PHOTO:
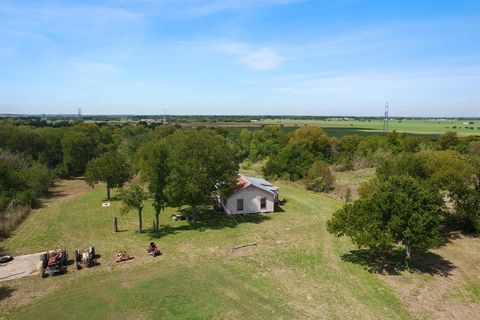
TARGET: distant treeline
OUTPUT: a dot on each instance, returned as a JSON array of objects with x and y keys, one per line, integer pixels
[
  {"x": 68, "y": 120},
  {"x": 32, "y": 155}
]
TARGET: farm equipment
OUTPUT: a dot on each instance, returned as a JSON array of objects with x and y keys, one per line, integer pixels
[
  {"x": 153, "y": 250},
  {"x": 123, "y": 256},
  {"x": 85, "y": 258},
  {"x": 53, "y": 262}
]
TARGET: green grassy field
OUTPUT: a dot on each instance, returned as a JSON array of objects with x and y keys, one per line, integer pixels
[
  {"x": 295, "y": 271},
  {"x": 342, "y": 127}
]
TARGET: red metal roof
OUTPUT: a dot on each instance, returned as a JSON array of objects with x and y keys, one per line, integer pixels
[{"x": 242, "y": 182}]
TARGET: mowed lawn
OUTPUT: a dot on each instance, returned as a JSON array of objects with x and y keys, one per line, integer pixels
[{"x": 295, "y": 271}]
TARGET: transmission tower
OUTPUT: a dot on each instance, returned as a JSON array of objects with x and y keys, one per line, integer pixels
[
  {"x": 79, "y": 114},
  {"x": 164, "y": 116},
  {"x": 385, "y": 119}
]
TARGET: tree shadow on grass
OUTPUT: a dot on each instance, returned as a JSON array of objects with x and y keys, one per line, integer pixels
[
  {"x": 5, "y": 292},
  {"x": 208, "y": 219},
  {"x": 393, "y": 262},
  {"x": 112, "y": 199}
]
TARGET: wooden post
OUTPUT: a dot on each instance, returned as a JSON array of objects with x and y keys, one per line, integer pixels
[
  {"x": 115, "y": 225},
  {"x": 140, "y": 223}
]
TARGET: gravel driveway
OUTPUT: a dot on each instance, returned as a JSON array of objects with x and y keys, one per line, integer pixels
[{"x": 21, "y": 266}]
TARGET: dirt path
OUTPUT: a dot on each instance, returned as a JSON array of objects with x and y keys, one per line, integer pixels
[
  {"x": 63, "y": 190},
  {"x": 448, "y": 293},
  {"x": 66, "y": 189}
]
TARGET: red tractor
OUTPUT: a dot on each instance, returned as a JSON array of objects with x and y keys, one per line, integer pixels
[
  {"x": 53, "y": 262},
  {"x": 85, "y": 258}
]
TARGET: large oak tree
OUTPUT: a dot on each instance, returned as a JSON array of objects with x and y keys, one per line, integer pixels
[
  {"x": 399, "y": 210},
  {"x": 111, "y": 168},
  {"x": 199, "y": 162}
]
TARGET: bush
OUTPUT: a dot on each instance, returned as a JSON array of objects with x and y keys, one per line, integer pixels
[
  {"x": 291, "y": 163},
  {"x": 319, "y": 177}
]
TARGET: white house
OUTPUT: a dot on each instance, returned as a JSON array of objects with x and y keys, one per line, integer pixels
[{"x": 252, "y": 195}]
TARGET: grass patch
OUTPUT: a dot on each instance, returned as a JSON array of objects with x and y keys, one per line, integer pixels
[
  {"x": 295, "y": 271},
  {"x": 469, "y": 293},
  {"x": 427, "y": 127}
]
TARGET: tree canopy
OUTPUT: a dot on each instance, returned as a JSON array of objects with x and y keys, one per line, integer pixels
[
  {"x": 314, "y": 140},
  {"x": 111, "y": 168},
  {"x": 78, "y": 150},
  {"x": 133, "y": 198},
  {"x": 152, "y": 162},
  {"x": 398, "y": 210},
  {"x": 199, "y": 162},
  {"x": 319, "y": 177}
]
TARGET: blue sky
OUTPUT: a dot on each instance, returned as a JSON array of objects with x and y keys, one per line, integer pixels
[{"x": 324, "y": 57}]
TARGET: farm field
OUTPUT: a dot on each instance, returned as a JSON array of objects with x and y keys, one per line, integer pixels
[
  {"x": 341, "y": 127},
  {"x": 297, "y": 270}
]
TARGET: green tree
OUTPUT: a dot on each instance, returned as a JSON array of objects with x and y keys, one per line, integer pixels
[
  {"x": 292, "y": 163},
  {"x": 398, "y": 210},
  {"x": 37, "y": 179},
  {"x": 403, "y": 164},
  {"x": 314, "y": 140},
  {"x": 110, "y": 168},
  {"x": 467, "y": 197},
  {"x": 319, "y": 177},
  {"x": 78, "y": 149},
  {"x": 455, "y": 175},
  {"x": 133, "y": 198},
  {"x": 199, "y": 162},
  {"x": 152, "y": 162},
  {"x": 267, "y": 142},
  {"x": 448, "y": 140}
]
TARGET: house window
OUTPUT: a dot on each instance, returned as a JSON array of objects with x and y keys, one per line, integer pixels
[
  {"x": 263, "y": 203},
  {"x": 239, "y": 204}
]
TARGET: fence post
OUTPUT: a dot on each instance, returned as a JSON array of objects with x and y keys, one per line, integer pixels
[{"x": 115, "y": 225}]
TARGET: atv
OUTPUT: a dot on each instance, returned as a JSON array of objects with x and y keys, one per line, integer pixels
[
  {"x": 85, "y": 258},
  {"x": 53, "y": 262}
]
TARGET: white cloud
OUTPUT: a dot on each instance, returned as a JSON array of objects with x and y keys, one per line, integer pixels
[{"x": 261, "y": 58}]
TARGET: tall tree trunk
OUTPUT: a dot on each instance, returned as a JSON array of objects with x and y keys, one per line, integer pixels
[
  {"x": 194, "y": 212},
  {"x": 408, "y": 255},
  {"x": 140, "y": 227},
  {"x": 108, "y": 192},
  {"x": 157, "y": 220}
]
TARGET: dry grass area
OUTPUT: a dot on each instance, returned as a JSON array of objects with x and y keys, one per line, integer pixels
[
  {"x": 65, "y": 189},
  {"x": 453, "y": 292},
  {"x": 350, "y": 180},
  {"x": 445, "y": 284}
]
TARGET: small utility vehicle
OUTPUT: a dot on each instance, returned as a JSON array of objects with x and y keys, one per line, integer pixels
[
  {"x": 53, "y": 262},
  {"x": 85, "y": 258}
]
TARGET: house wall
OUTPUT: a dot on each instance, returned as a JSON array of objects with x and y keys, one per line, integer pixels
[{"x": 251, "y": 201}]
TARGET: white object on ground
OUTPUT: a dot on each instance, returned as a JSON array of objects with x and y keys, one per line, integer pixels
[{"x": 106, "y": 204}]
